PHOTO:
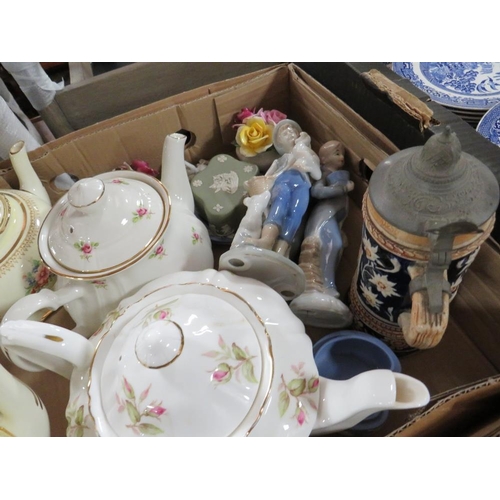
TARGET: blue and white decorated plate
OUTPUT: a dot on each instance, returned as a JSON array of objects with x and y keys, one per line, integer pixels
[
  {"x": 462, "y": 85},
  {"x": 489, "y": 126}
]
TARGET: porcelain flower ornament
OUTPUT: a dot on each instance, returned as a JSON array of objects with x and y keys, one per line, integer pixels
[{"x": 254, "y": 133}]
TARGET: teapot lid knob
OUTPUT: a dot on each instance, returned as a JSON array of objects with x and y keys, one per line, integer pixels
[
  {"x": 85, "y": 192},
  {"x": 159, "y": 344}
]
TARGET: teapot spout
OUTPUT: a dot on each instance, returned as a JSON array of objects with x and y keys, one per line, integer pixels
[
  {"x": 345, "y": 403},
  {"x": 173, "y": 171},
  {"x": 28, "y": 180}
]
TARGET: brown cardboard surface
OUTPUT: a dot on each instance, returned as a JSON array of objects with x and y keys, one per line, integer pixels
[
  {"x": 370, "y": 133},
  {"x": 471, "y": 411},
  {"x": 468, "y": 351}
]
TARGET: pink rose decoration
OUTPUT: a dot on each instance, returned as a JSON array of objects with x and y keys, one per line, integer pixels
[
  {"x": 301, "y": 417},
  {"x": 42, "y": 276},
  {"x": 196, "y": 236},
  {"x": 157, "y": 410},
  {"x": 222, "y": 373},
  {"x": 143, "y": 166},
  {"x": 163, "y": 315},
  {"x": 244, "y": 114},
  {"x": 87, "y": 248},
  {"x": 142, "y": 211},
  {"x": 274, "y": 116},
  {"x": 159, "y": 250},
  {"x": 313, "y": 384}
]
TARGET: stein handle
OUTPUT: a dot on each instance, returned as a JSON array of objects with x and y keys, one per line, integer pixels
[{"x": 423, "y": 329}]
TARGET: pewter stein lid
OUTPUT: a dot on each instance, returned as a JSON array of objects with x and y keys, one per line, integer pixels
[{"x": 434, "y": 185}]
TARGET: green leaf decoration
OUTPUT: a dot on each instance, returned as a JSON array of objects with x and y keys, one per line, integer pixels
[
  {"x": 284, "y": 402},
  {"x": 95, "y": 244},
  {"x": 79, "y": 432},
  {"x": 79, "y": 416},
  {"x": 247, "y": 369},
  {"x": 132, "y": 412},
  {"x": 238, "y": 352},
  {"x": 78, "y": 245},
  {"x": 149, "y": 429},
  {"x": 297, "y": 386}
]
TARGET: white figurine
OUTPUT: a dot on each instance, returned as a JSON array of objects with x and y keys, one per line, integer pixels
[
  {"x": 251, "y": 224},
  {"x": 324, "y": 242}
]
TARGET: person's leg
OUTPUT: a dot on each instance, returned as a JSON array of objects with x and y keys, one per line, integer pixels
[
  {"x": 280, "y": 197},
  {"x": 296, "y": 209}
]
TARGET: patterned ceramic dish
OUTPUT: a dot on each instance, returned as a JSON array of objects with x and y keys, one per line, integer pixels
[
  {"x": 203, "y": 354},
  {"x": 489, "y": 126},
  {"x": 461, "y": 85}
]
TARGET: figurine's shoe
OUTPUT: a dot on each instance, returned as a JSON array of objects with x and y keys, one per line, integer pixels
[
  {"x": 322, "y": 310},
  {"x": 267, "y": 266}
]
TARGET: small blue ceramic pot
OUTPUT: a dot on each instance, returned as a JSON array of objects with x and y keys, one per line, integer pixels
[{"x": 347, "y": 353}]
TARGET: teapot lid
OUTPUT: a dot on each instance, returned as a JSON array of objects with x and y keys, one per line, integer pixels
[
  {"x": 433, "y": 185},
  {"x": 192, "y": 354},
  {"x": 173, "y": 369},
  {"x": 104, "y": 224}
]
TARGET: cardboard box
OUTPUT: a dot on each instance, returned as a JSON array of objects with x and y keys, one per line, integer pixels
[{"x": 469, "y": 350}]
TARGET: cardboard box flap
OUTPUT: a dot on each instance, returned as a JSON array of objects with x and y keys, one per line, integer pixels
[
  {"x": 371, "y": 133},
  {"x": 326, "y": 122},
  {"x": 268, "y": 91}
]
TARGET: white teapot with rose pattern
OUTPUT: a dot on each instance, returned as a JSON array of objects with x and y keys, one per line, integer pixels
[
  {"x": 203, "y": 353},
  {"x": 112, "y": 233}
]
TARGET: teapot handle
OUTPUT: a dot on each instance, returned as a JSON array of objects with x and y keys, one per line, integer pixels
[
  {"x": 422, "y": 328},
  {"x": 29, "y": 306},
  {"x": 35, "y": 346}
]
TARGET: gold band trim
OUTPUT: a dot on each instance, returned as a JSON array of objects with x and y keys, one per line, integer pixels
[
  {"x": 5, "y": 211},
  {"x": 7, "y": 433},
  {"x": 16, "y": 251}
]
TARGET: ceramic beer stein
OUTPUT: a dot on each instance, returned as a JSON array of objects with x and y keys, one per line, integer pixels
[{"x": 426, "y": 212}]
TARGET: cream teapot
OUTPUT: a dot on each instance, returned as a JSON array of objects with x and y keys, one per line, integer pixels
[
  {"x": 203, "y": 353},
  {"x": 22, "y": 412},
  {"x": 112, "y": 233},
  {"x": 22, "y": 212}
]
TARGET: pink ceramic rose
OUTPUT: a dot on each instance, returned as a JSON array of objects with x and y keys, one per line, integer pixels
[
  {"x": 244, "y": 114},
  {"x": 42, "y": 276},
  {"x": 274, "y": 116},
  {"x": 87, "y": 248}
]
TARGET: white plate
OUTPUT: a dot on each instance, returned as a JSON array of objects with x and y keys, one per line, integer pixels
[
  {"x": 462, "y": 85},
  {"x": 489, "y": 126}
]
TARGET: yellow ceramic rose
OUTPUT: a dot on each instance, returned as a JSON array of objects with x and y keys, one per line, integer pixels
[{"x": 254, "y": 136}]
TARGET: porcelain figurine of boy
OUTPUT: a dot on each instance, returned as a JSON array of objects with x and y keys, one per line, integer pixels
[
  {"x": 289, "y": 181},
  {"x": 324, "y": 242},
  {"x": 289, "y": 195}
]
